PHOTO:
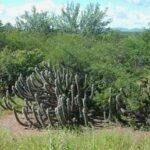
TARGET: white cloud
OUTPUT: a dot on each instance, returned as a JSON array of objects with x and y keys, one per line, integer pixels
[
  {"x": 8, "y": 14},
  {"x": 122, "y": 17},
  {"x": 135, "y": 1}
]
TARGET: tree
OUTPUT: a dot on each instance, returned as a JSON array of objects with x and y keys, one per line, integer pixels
[
  {"x": 93, "y": 20},
  {"x": 34, "y": 21},
  {"x": 69, "y": 19},
  {"x": 90, "y": 21},
  {"x": 2, "y": 36},
  {"x": 8, "y": 26},
  {"x": 146, "y": 35},
  {"x": 1, "y": 24}
]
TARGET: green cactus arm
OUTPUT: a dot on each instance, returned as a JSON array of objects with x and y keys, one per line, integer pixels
[
  {"x": 7, "y": 104},
  {"x": 51, "y": 123},
  {"x": 85, "y": 116},
  {"x": 18, "y": 120},
  {"x": 109, "y": 104},
  {"x": 3, "y": 106},
  {"x": 92, "y": 91},
  {"x": 35, "y": 115},
  {"x": 42, "y": 122}
]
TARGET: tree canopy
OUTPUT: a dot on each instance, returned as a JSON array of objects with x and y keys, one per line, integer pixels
[
  {"x": 89, "y": 21},
  {"x": 34, "y": 21}
]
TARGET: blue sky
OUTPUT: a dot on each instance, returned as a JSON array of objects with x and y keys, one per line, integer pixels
[{"x": 124, "y": 13}]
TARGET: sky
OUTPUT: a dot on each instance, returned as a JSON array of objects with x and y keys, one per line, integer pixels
[{"x": 123, "y": 13}]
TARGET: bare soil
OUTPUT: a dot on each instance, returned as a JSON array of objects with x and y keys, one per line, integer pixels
[{"x": 8, "y": 121}]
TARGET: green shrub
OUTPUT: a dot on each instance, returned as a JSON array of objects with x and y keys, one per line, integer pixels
[{"x": 12, "y": 63}]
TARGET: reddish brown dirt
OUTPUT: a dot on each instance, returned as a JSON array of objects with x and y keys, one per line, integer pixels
[
  {"x": 8, "y": 121},
  {"x": 137, "y": 134}
]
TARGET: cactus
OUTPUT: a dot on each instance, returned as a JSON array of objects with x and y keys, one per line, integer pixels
[
  {"x": 18, "y": 120},
  {"x": 110, "y": 104},
  {"x": 57, "y": 96},
  {"x": 54, "y": 96},
  {"x": 51, "y": 123}
]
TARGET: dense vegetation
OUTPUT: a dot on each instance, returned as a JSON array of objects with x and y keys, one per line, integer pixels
[{"x": 85, "y": 45}]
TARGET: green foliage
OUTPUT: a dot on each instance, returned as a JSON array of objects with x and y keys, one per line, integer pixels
[
  {"x": 92, "y": 20},
  {"x": 34, "y": 22},
  {"x": 1, "y": 24},
  {"x": 69, "y": 19},
  {"x": 15, "y": 62},
  {"x": 15, "y": 39},
  {"x": 111, "y": 59},
  {"x": 146, "y": 37}
]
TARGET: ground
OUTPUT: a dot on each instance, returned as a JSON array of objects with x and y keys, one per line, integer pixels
[
  {"x": 16, "y": 137},
  {"x": 8, "y": 121}
]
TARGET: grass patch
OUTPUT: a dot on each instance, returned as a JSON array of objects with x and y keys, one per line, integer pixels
[{"x": 72, "y": 140}]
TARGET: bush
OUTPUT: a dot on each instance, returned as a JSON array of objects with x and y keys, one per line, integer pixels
[{"x": 15, "y": 62}]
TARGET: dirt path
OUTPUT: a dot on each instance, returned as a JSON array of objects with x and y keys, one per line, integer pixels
[{"x": 8, "y": 121}]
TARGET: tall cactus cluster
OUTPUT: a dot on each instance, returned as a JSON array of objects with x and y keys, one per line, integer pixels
[
  {"x": 118, "y": 106},
  {"x": 57, "y": 96},
  {"x": 52, "y": 97}
]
